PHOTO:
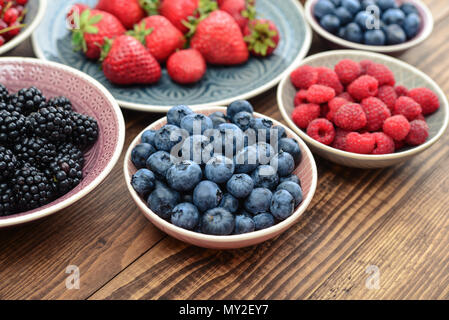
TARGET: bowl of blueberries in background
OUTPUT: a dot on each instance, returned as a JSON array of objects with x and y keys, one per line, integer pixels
[
  {"x": 190, "y": 191},
  {"x": 385, "y": 26}
]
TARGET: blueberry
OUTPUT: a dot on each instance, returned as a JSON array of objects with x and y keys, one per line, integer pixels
[
  {"x": 218, "y": 221},
  {"x": 341, "y": 32},
  {"x": 163, "y": 199},
  {"x": 366, "y": 3},
  {"x": 258, "y": 201},
  {"x": 265, "y": 152},
  {"x": 196, "y": 124},
  {"x": 343, "y": 15},
  {"x": 184, "y": 176},
  {"x": 239, "y": 106},
  {"x": 218, "y": 118},
  {"x": 141, "y": 153},
  {"x": 393, "y": 16},
  {"x": 219, "y": 169},
  {"x": 330, "y": 23},
  {"x": 395, "y": 34},
  {"x": 263, "y": 221},
  {"x": 375, "y": 38},
  {"x": 246, "y": 160},
  {"x": 187, "y": 197},
  {"x": 262, "y": 128},
  {"x": 240, "y": 185},
  {"x": 197, "y": 148},
  {"x": 386, "y": 4},
  {"x": 207, "y": 195},
  {"x": 282, "y": 204},
  {"x": 284, "y": 163},
  {"x": 175, "y": 114},
  {"x": 244, "y": 224},
  {"x": 323, "y": 7},
  {"x": 265, "y": 177},
  {"x": 294, "y": 189},
  {"x": 291, "y": 146},
  {"x": 293, "y": 178},
  {"x": 143, "y": 181},
  {"x": 159, "y": 163},
  {"x": 232, "y": 140},
  {"x": 148, "y": 137},
  {"x": 364, "y": 19},
  {"x": 353, "y": 33},
  {"x": 353, "y": 6},
  {"x": 229, "y": 202},
  {"x": 185, "y": 215},
  {"x": 243, "y": 120},
  {"x": 278, "y": 131},
  {"x": 409, "y": 8},
  {"x": 412, "y": 24},
  {"x": 168, "y": 136}
]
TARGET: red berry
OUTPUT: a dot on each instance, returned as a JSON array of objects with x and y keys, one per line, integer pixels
[
  {"x": 408, "y": 107},
  {"x": 360, "y": 143},
  {"x": 300, "y": 97},
  {"x": 364, "y": 64},
  {"x": 376, "y": 113},
  {"x": 383, "y": 143},
  {"x": 419, "y": 132},
  {"x": 14, "y": 32},
  {"x": 401, "y": 91},
  {"x": 363, "y": 87},
  {"x": 22, "y": 2},
  {"x": 340, "y": 139},
  {"x": 397, "y": 127},
  {"x": 347, "y": 96},
  {"x": 304, "y": 76},
  {"x": 426, "y": 98},
  {"x": 350, "y": 117},
  {"x": 324, "y": 110},
  {"x": 186, "y": 66},
  {"x": 321, "y": 130},
  {"x": 347, "y": 71},
  {"x": 398, "y": 145},
  {"x": 334, "y": 105},
  {"x": 320, "y": 94},
  {"x": 388, "y": 96},
  {"x": 328, "y": 77},
  {"x": 10, "y": 16},
  {"x": 381, "y": 73},
  {"x": 303, "y": 114}
]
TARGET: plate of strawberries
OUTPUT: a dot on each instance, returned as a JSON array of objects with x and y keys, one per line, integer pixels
[{"x": 153, "y": 54}]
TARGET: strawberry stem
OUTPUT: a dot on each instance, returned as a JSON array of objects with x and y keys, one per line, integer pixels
[{"x": 151, "y": 7}]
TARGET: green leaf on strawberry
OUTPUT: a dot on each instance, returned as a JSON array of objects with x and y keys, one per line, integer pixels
[
  {"x": 140, "y": 32},
  {"x": 86, "y": 25},
  {"x": 261, "y": 38},
  {"x": 151, "y": 7}
]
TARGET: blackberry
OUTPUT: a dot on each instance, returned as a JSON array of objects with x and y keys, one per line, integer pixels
[
  {"x": 32, "y": 187},
  {"x": 85, "y": 131},
  {"x": 12, "y": 126},
  {"x": 9, "y": 107},
  {"x": 35, "y": 151},
  {"x": 8, "y": 163},
  {"x": 29, "y": 100},
  {"x": 4, "y": 94},
  {"x": 61, "y": 101},
  {"x": 8, "y": 200},
  {"x": 53, "y": 123}
]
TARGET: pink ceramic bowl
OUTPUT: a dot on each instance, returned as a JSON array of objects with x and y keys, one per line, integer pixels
[
  {"x": 88, "y": 97},
  {"x": 306, "y": 171}
]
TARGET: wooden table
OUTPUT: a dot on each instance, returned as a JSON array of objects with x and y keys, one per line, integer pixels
[{"x": 389, "y": 225}]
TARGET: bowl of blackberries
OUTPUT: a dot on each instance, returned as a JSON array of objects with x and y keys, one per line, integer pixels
[
  {"x": 386, "y": 26},
  {"x": 61, "y": 133},
  {"x": 222, "y": 178}
]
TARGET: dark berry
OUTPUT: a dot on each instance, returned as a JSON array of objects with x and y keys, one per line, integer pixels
[
  {"x": 12, "y": 126},
  {"x": 29, "y": 100},
  {"x": 8, "y": 163},
  {"x": 35, "y": 151},
  {"x": 8, "y": 200},
  {"x": 61, "y": 102},
  {"x": 53, "y": 123},
  {"x": 4, "y": 93}
]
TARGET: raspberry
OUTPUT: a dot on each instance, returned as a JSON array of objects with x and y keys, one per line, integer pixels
[
  {"x": 401, "y": 91},
  {"x": 300, "y": 97},
  {"x": 324, "y": 110},
  {"x": 397, "y": 127},
  {"x": 363, "y": 87},
  {"x": 321, "y": 130},
  {"x": 334, "y": 105},
  {"x": 340, "y": 139},
  {"x": 347, "y": 71},
  {"x": 376, "y": 113},
  {"x": 328, "y": 77},
  {"x": 426, "y": 98},
  {"x": 408, "y": 107},
  {"x": 381, "y": 73},
  {"x": 398, "y": 144},
  {"x": 320, "y": 94},
  {"x": 347, "y": 96},
  {"x": 360, "y": 143},
  {"x": 419, "y": 131},
  {"x": 383, "y": 143},
  {"x": 304, "y": 76},
  {"x": 350, "y": 117},
  {"x": 420, "y": 117},
  {"x": 364, "y": 64},
  {"x": 303, "y": 114},
  {"x": 388, "y": 96}
]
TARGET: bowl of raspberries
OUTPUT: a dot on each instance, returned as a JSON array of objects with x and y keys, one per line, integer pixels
[
  {"x": 363, "y": 109},
  {"x": 373, "y": 25},
  {"x": 220, "y": 178},
  {"x": 61, "y": 133}
]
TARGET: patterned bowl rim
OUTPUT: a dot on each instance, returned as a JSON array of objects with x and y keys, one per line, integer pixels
[
  {"x": 350, "y": 155},
  {"x": 20, "y": 219},
  {"x": 22, "y": 36},
  {"x": 247, "y": 237},
  {"x": 423, "y": 35},
  {"x": 250, "y": 94}
]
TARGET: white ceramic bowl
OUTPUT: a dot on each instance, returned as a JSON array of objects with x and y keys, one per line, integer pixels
[
  {"x": 405, "y": 74},
  {"x": 424, "y": 33},
  {"x": 306, "y": 171},
  {"x": 35, "y": 14}
]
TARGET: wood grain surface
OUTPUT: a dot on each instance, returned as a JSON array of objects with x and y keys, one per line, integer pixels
[{"x": 395, "y": 221}]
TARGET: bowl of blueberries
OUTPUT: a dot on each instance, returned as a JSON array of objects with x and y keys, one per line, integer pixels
[
  {"x": 221, "y": 178},
  {"x": 387, "y": 26}
]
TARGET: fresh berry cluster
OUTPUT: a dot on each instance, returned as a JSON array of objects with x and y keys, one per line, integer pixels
[
  {"x": 372, "y": 22},
  {"x": 226, "y": 174},
  {"x": 12, "y": 13},
  {"x": 41, "y": 148},
  {"x": 186, "y": 35},
  {"x": 357, "y": 107}
]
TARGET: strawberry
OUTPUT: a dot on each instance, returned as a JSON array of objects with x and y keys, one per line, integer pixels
[
  {"x": 126, "y": 61},
  {"x": 94, "y": 27},
  {"x": 241, "y": 10},
  {"x": 219, "y": 39},
  {"x": 76, "y": 9},
  {"x": 128, "y": 12},
  {"x": 262, "y": 37},
  {"x": 178, "y": 12},
  {"x": 160, "y": 36},
  {"x": 186, "y": 66}
]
